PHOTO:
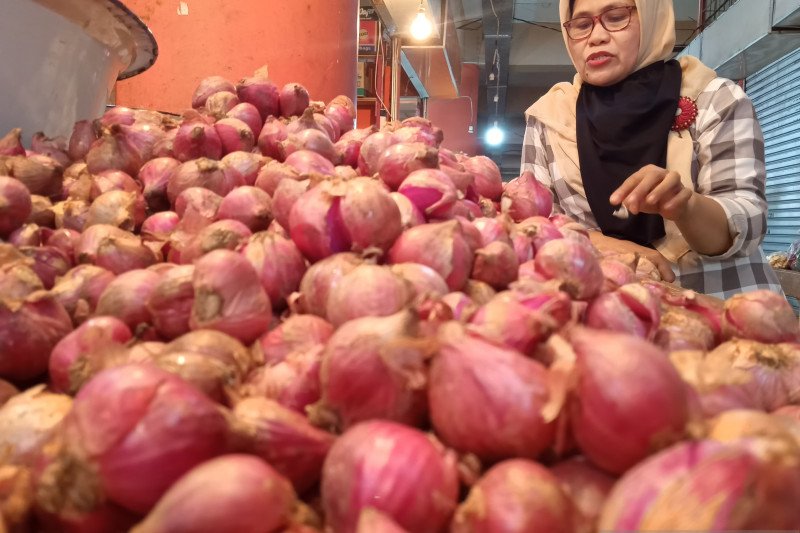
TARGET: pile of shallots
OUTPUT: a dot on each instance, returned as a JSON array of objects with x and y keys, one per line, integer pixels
[{"x": 253, "y": 317}]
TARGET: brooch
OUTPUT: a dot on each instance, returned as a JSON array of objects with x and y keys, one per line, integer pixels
[{"x": 685, "y": 115}]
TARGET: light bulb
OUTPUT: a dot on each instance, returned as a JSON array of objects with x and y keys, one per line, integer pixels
[
  {"x": 495, "y": 135},
  {"x": 421, "y": 27}
]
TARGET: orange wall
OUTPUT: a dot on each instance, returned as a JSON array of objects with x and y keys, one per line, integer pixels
[
  {"x": 312, "y": 42},
  {"x": 453, "y": 115}
]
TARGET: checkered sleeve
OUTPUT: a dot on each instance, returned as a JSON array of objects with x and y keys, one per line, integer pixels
[
  {"x": 730, "y": 156},
  {"x": 536, "y": 157}
]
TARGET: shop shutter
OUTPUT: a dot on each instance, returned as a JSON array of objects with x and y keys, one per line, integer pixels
[{"x": 775, "y": 91}]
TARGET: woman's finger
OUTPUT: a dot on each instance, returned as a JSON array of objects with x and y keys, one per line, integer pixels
[
  {"x": 669, "y": 186},
  {"x": 627, "y": 186},
  {"x": 664, "y": 266},
  {"x": 648, "y": 182},
  {"x": 676, "y": 206}
]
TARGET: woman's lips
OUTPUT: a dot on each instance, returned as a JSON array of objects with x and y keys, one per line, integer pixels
[{"x": 598, "y": 60}]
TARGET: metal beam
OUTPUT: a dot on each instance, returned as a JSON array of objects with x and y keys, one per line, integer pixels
[{"x": 498, "y": 18}]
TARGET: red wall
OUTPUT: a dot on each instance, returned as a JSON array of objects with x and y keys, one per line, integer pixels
[
  {"x": 312, "y": 42},
  {"x": 453, "y": 115}
]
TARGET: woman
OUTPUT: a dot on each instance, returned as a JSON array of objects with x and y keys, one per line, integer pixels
[{"x": 660, "y": 157}]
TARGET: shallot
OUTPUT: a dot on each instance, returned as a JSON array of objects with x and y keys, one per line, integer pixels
[
  {"x": 279, "y": 264},
  {"x": 618, "y": 381},
  {"x": 372, "y": 369},
  {"x": 379, "y": 464},
  {"x": 15, "y": 205},
  {"x": 262, "y": 94},
  {"x": 250, "y": 206},
  {"x": 474, "y": 396},
  {"x": 228, "y": 297},
  {"x": 234, "y": 492},
  {"x": 516, "y": 496},
  {"x": 441, "y": 246},
  {"x": 294, "y": 99},
  {"x": 133, "y": 431},
  {"x": 285, "y": 439},
  {"x": 29, "y": 329}
]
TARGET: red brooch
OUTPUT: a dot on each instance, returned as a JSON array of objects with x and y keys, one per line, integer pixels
[{"x": 685, "y": 114}]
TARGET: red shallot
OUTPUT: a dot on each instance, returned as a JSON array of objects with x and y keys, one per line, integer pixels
[
  {"x": 11, "y": 143},
  {"x": 234, "y": 135},
  {"x": 339, "y": 216},
  {"x": 228, "y": 297},
  {"x": 209, "y": 86},
  {"x": 516, "y": 496},
  {"x": 394, "y": 469},
  {"x": 170, "y": 303},
  {"x": 83, "y": 136},
  {"x": 525, "y": 197},
  {"x": 441, "y": 246},
  {"x": 587, "y": 487},
  {"x": 296, "y": 333},
  {"x": 373, "y": 368},
  {"x": 496, "y": 264},
  {"x": 234, "y": 492},
  {"x": 323, "y": 277},
  {"x": 15, "y": 205},
  {"x": 293, "y": 382},
  {"x": 279, "y": 264},
  {"x": 126, "y": 298},
  {"x": 272, "y": 134},
  {"x": 206, "y": 173},
  {"x": 248, "y": 164},
  {"x": 737, "y": 490},
  {"x": 474, "y": 396},
  {"x": 763, "y": 316},
  {"x": 488, "y": 181},
  {"x": 294, "y": 99},
  {"x": 133, "y": 431},
  {"x": 93, "y": 336},
  {"x": 247, "y": 113},
  {"x": 28, "y": 422},
  {"x": 29, "y": 329},
  {"x": 247, "y": 205},
  {"x": 627, "y": 401},
  {"x": 368, "y": 290},
  {"x": 631, "y": 309},
  {"x": 410, "y": 215},
  {"x": 113, "y": 249},
  {"x": 262, "y": 94},
  {"x": 400, "y": 160},
  {"x": 573, "y": 265},
  {"x": 195, "y": 140}
]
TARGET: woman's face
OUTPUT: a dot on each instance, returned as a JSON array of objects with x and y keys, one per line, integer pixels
[{"x": 605, "y": 58}]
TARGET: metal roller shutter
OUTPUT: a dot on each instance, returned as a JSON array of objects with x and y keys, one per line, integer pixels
[{"x": 775, "y": 91}]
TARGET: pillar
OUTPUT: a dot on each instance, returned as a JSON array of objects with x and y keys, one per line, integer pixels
[{"x": 312, "y": 42}]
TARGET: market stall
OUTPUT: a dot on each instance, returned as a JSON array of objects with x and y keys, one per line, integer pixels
[{"x": 249, "y": 315}]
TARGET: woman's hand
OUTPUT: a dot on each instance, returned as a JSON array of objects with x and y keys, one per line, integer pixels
[
  {"x": 610, "y": 244},
  {"x": 701, "y": 220},
  {"x": 654, "y": 190}
]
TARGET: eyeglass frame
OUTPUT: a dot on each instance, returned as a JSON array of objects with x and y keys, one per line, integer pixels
[{"x": 596, "y": 18}]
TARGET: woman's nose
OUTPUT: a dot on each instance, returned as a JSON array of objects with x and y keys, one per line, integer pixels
[{"x": 599, "y": 34}]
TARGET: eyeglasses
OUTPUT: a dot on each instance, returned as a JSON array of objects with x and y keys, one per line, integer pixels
[{"x": 614, "y": 19}]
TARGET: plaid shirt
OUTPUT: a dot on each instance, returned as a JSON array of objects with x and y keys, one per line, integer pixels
[{"x": 727, "y": 166}]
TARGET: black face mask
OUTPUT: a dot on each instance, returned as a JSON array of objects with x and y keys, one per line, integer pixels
[{"x": 620, "y": 129}]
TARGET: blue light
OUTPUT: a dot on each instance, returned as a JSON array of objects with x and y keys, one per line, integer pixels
[{"x": 495, "y": 136}]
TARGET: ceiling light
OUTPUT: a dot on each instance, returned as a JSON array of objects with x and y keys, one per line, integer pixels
[
  {"x": 421, "y": 27},
  {"x": 495, "y": 135}
]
